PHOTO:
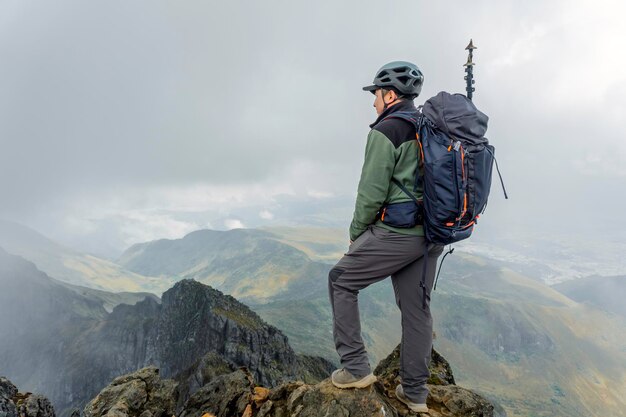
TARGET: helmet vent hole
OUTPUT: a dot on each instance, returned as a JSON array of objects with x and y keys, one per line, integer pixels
[{"x": 403, "y": 79}]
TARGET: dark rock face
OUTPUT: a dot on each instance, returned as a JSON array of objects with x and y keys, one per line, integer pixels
[
  {"x": 236, "y": 394},
  {"x": 227, "y": 395},
  {"x": 195, "y": 319},
  {"x": 194, "y": 335},
  {"x": 17, "y": 404},
  {"x": 209, "y": 367}
]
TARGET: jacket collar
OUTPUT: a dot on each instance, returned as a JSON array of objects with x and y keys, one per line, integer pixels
[{"x": 404, "y": 105}]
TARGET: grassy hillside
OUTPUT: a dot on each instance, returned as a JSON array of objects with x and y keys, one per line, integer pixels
[
  {"x": 318, "y": 243},
  {"x": 251, "y": 265}
]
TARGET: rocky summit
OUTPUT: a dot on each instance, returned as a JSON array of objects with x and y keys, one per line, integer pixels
[
  {"x": 144, "y": 393},
  {"x": 236, "y": 394}
]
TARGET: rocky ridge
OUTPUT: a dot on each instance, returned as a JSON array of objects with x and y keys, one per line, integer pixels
[{"x": 192, "y": 335}]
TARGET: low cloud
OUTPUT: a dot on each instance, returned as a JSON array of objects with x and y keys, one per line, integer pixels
[
  {"x": 233, "y": 224},
  {"x": 97, "y": 136}
]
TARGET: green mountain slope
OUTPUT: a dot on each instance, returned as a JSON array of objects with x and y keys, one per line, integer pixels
[
  {"x": 251, "y": 265},
  {"x": 318, "y": 243}
]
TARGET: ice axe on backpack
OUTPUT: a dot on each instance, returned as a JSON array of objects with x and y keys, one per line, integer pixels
[
  {"x": 469, "y": 70},
  {"x": 469, "y": 88}
]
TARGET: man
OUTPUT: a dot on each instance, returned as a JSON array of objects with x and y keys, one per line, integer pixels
[{"x": 378, "y": 250}]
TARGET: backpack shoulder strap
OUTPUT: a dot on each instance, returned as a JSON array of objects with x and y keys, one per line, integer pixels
[{"x": 409, "y": 116}]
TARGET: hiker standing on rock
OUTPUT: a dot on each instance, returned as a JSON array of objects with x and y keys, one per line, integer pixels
[{"x": 387, "y": 239}]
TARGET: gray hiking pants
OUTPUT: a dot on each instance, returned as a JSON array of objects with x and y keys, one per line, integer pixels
[{"x": 376, "y": 254}]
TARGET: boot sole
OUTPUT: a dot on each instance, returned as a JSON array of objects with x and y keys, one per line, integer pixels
[{"x": 361, "y": 383}]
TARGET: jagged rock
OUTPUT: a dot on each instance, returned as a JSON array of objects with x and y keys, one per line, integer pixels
[
  {"x": 225, "y": 396},
  {"x": 32, "y": 405},
  {"x": 7, "y": 389},
  {"x": 7, "y": 392},
  {"x": 194, "y": 319},
  {"x": 445, "y": 399},
  {"x": 440, "y": 370},
  {"x": 324, "y": 399},
  {"x": 139, "y": 394},
  {"x": 206, "y": 369},
  {"x": 16, "y": 404},
  {"x": 260, "y": 395},
  {"x": 452, "y": 400}
]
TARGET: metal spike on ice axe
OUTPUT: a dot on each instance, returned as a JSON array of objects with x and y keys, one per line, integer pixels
[{"x": 469, "y": 66}]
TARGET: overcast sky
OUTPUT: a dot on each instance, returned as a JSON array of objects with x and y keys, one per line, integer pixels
[{"x": 126, "y": 121}]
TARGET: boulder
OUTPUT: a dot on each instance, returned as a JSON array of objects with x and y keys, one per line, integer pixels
[
  {"x": 17, "y": 404},
  {"x": 139, "y": 394}
]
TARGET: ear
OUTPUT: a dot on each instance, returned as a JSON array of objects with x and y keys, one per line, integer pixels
[{"x": 393, "y": 96}]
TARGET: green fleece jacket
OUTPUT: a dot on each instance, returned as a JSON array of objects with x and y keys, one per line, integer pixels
[{"x": 391, "y": 152}]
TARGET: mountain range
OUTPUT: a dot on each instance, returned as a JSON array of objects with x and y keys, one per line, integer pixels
[{"x": 509, "y": 337}]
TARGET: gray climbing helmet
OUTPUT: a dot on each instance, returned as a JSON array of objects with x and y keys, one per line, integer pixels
[{"x": 403, "y": 76}]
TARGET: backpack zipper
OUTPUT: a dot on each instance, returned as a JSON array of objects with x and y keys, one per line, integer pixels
[
  {"x": 464, "y": 184},
  {"x": 455, "y": 145}
]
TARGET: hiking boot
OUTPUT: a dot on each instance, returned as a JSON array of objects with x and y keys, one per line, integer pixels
[
  {"x": 344, "y": 379},
  {"x": 417, "y": 407}
]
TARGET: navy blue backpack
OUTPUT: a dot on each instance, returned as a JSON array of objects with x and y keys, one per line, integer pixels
[{"x": 457, "y": 161}]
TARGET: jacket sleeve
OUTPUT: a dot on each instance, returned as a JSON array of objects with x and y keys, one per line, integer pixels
[{"x": 373, "y": 186}]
